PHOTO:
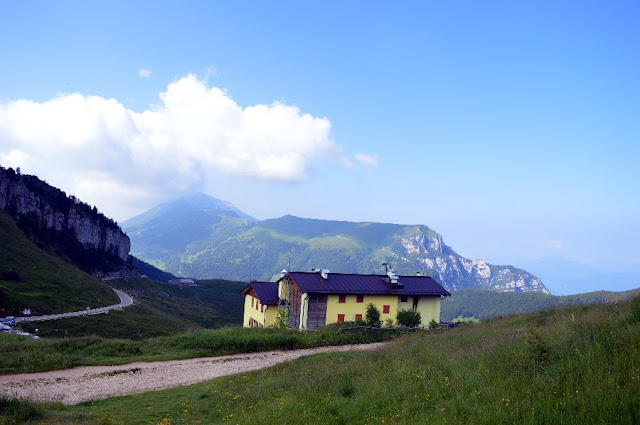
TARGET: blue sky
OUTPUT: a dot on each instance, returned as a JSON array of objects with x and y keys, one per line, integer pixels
[{"x": 511, "y": 128}]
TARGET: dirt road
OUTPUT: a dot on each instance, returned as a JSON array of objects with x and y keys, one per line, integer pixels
[{"x": 72, "y": 386}]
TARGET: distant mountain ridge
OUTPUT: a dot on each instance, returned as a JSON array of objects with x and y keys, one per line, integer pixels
[
  {"x": 202, "y": 237},
  {"x": 485, "y": 304}
]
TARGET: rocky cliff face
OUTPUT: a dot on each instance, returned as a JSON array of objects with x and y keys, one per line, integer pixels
[
  {"x": 52, "y": 209},
  {"x": 456, "y": 272}
]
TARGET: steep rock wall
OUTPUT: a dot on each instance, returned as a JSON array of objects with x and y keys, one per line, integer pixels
[
  {"x": 92, "y": 231},
  {"x": 457, "y": 272}
]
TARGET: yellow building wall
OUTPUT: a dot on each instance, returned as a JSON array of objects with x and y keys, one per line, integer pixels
[
  {"x": 255, "y": 314},
  {"x": 350, "y": 308},
  {"x": 270, "y": 315},
  {"x": 406, "y": 305},
  {"x": 429, "y": 308}
]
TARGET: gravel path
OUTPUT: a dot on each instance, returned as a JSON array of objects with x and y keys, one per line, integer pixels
[{"x": 72, "y": 386}]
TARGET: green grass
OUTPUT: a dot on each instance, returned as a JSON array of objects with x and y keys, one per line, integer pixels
[
  {"x": 47, "y": 284},
  {"x": 26, "y": 355},
  {"x": 576, "y": 365}
]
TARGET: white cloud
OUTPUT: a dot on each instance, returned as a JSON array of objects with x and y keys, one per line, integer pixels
[
  {"x": 371, "y": 160},
  {"x": 144, "y": 73},
  {"x": 124, "y": 161}
]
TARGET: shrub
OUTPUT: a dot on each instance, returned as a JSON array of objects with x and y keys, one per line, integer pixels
[
  {"x": 373, "y": 316},
  {"x": 282, "y": 319},
  {"x": 408, "y": 318}
]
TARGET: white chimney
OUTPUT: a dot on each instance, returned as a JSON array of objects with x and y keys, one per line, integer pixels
[
  {"x": 325, "y": 273},
  {"x": 392, "y": 275},
  {"x": 283, "y": 273}
]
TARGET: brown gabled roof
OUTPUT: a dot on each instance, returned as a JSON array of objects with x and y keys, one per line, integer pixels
[{"x": 366, "y": 284}]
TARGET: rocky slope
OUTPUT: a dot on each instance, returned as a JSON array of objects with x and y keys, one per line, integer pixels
[
  {"x": 224, "y": 244},
  {"x": 426, "y": 247},
  {"x": 83, "y": 234}
]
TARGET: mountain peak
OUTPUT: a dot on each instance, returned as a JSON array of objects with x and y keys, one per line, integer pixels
[
  {"x": 202, "y": 200},
  {"x": 185, "y": 211}
]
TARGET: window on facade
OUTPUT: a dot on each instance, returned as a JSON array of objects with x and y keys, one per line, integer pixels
[
  {"x": 340, "y": 318},
  {"x": 342, "y": 299},
  {"x": 359, "y": 298},
  {"x": 257, "y": 302},
  {"x": 358, "y": 316},
  {"x": 262, "y": 308},
  {"x": 404, "y": 299},
  {"x": 252, "y": 301},
  {"x": 386, "y": 309}
]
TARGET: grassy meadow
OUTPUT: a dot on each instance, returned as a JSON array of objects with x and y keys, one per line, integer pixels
[{"x": 575, "y": 365}]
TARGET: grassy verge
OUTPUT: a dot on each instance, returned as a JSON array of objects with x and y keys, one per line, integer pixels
[
  {"x": 578, "y": 365},
  {"x": 25, "y": 355}
]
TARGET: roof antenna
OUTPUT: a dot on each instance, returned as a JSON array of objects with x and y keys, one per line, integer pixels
[{"x": 386, "y": 267}]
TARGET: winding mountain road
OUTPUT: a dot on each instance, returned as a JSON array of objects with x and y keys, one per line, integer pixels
[{"x": 125, "y": 301}]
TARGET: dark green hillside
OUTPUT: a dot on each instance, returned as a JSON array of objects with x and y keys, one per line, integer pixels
[
  {"x": 46, "y": 284},
  {"x": 484, "y": 304},
  {"x": 160, "y": 309},
  {"x": 149, "y": 271},
  {"x": 211, "y": 304}
]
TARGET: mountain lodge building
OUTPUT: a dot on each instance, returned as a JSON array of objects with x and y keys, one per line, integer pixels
[{"x": 313, "y": 299}]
